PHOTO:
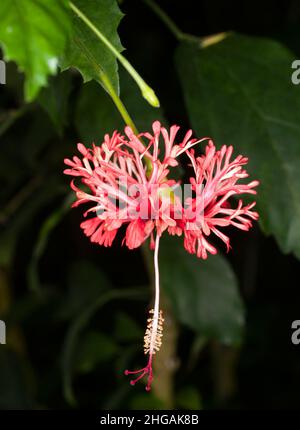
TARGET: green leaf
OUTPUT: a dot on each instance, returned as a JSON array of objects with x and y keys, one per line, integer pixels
[
  {"x": 240, "y": 92},
  {"x": 49, "y": 224},
  {"x": 77, "y": 327},
  {"x": 103, "y": 116},
  {"x": 34, "y": 34},
  {"x": 204, "y": 294},
  {"x": 86, "y": 282},
  {"x": 86, "y": 52},
  {"x": 54, "y": 100},
  {"x": 21, "y": 218},
  {"x": 95, "y": 348}
]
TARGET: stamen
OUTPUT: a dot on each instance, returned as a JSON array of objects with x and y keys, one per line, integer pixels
[
  {"x": 154, "y": 330},
  {"x": 152, "y": 344},
  {"x": 154, "y": 333},
  {"x": 143, "y": 372}
]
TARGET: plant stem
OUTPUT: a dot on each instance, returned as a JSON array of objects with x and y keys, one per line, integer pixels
[
  {"x": 224, "y": 366},
  {"x": 146, "y": 91},
  {"x": 18, "y": 199},
  {"x": 43, "y": 237},
  {"x": 165, "y": 19},
  {"x": 170, "y": 24},
  {"x": 156, "y": 299},
  {"x": 77, "y": 326},
  {"x": 156, "y": 271},
  {"x": 122, "y": 109},
  {"x": 12, "y": 117},
  {"x": 106, "y": 82},
  {"x": 117, "y": 101},
  {"x": 165, "y": 363}
]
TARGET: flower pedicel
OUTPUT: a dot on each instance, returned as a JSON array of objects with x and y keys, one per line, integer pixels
[{"x": 124, "y": 191}]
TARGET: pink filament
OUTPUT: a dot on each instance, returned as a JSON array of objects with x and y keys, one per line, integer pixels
[
  {"x": 144, "y": 371},
  {"x": 148, "y": 369}
]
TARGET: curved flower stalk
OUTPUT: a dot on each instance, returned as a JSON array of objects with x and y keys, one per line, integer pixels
[{"x": 123, "y": 191}]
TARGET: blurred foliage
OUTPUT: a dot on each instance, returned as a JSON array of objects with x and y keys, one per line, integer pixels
[
  {"x": 204, "y": 294},
  {"x": 103, "y": 116},
  {"x": 75, "y": 312},
  {"x": 55, "y": 100}
]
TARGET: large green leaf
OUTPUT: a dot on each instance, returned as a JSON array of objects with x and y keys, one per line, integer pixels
[
  {"x": 240, "y": 92},
  {"x": 86, "y": 52},
  {"x": 103, "y": 116},
  {"x": 204, "y": 294},
  {"x": 34, "y": 33}
]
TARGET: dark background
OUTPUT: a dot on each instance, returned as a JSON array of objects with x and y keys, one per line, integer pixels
[
  {"x": 268, "y": 368},
  {"x": 263, "y": 373}
]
